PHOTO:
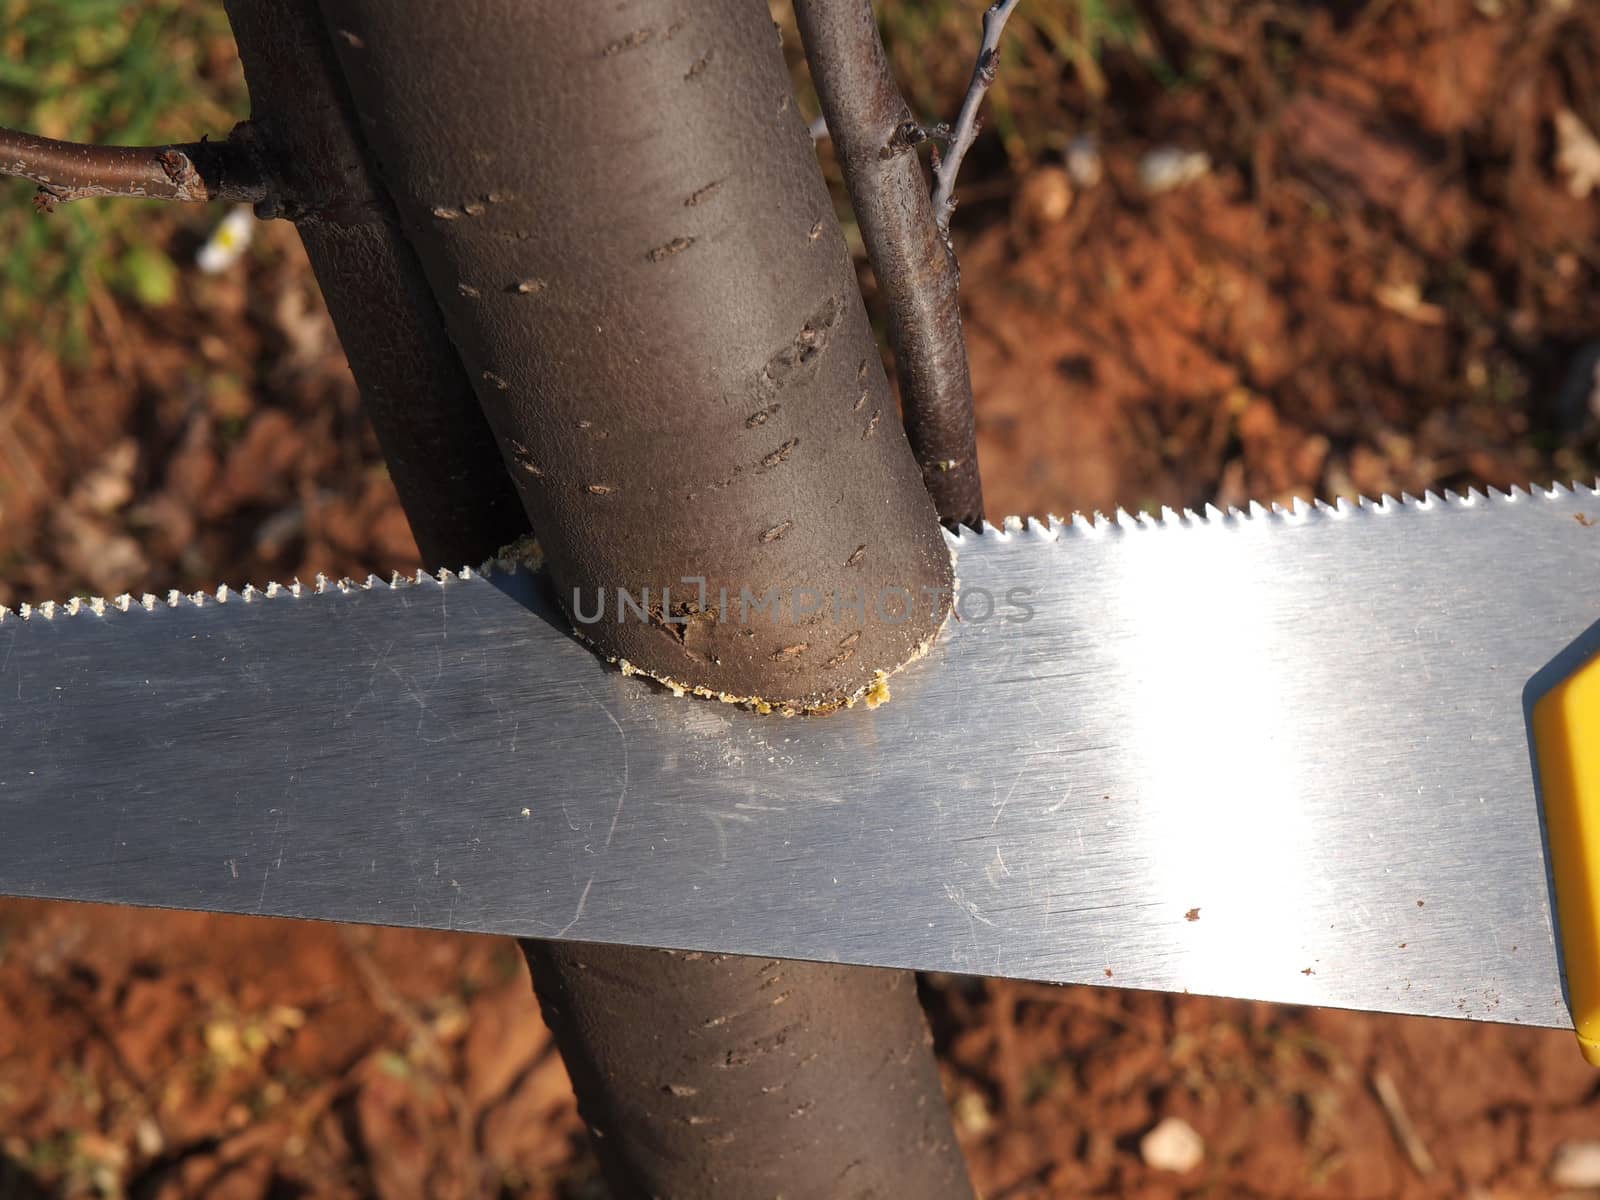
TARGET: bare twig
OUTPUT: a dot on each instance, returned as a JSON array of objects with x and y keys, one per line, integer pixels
[
  {"x": 965, "y": 130},
  {"x": 875, "y": 139},
  {"x": 191, "y": 172},
  {"x": 1400, "y": 1122}
]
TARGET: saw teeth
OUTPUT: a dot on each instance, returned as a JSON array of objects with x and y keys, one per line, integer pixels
[
  {"x": 248, "y": 594},
  {"x": 1297, "y": 510},
  {"x": 126, "y": 601}
]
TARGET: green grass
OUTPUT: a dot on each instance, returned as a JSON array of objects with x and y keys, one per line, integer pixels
[{"x": 104, "y": 71}]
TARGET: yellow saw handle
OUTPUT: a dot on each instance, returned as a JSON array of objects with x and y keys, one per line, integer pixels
[{"x": 1566, "y": 735}]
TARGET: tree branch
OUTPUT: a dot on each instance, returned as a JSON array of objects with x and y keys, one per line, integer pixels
[
  {"x": 190, "y": 172},
  {"x": 965, "y": 130},
  {"x": 875, "y": 139}
]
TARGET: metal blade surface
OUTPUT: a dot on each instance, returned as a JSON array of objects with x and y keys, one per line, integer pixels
[{"x": 1281, "y": 756}]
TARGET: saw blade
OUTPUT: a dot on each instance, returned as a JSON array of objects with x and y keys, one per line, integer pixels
[{"x": 1278, "y": 754}]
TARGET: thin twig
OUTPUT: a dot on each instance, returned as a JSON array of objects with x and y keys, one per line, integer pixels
[
  {"x": 965, "y": 130},
  {"x": 190, "y": 172},
  {"x": 1405, "y": 1132},
  {"x": 874, "y": 139}
]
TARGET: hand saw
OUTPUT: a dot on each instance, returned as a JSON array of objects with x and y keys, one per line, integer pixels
[{"x": 1280, "y": 754}]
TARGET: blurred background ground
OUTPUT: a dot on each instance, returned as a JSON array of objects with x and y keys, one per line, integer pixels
[{"x": 1212, "y": 250}]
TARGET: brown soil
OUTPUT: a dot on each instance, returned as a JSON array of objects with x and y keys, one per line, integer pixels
[{"x": 1381, "y": 285}]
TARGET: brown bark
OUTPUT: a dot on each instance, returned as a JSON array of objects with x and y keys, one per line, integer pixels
[
  {"x": 800, "y": 1080},
  {"x": 443, "y": 459},
  {"x": 190, "y": 172},
  {"x": 875, "y": 139},
  {"x": 636, "y": 258}
]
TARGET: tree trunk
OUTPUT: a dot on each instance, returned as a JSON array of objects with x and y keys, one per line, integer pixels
[
  {"x": 708, "y": 1076},
  {"x": 625, "y": 226},
  {"x": 619, "y": 217},
  {"x": 437, "y": 444}
]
